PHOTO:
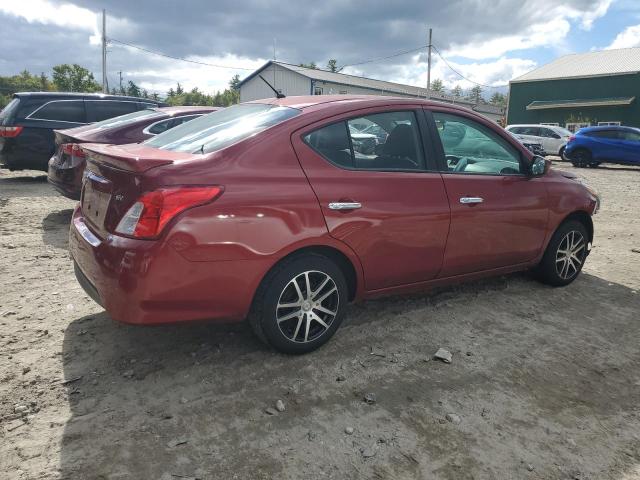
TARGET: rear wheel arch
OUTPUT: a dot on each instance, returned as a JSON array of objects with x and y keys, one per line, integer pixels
[{"x": 335, "y": 255}]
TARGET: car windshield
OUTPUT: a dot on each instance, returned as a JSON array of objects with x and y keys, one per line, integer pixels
[
  {"x": 127, "y": 119},
  {"x": 220, "y": 129}
]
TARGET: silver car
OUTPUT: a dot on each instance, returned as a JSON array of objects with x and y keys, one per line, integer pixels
[{"x": 552, "y": 138}]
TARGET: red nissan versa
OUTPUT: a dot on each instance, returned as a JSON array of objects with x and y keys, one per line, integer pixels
[{"x": 272, "y": 210}]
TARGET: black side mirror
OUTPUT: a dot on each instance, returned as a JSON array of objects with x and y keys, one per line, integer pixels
[{"x": 539, "y": 166}]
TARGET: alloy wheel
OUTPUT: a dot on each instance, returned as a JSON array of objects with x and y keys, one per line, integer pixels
[
  {"x": 307, "y": 306},
  {"x": 570, "y": 255}
]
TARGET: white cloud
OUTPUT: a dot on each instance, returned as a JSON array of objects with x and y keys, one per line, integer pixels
[
  {"x": 629, "y": 37},
  {"x": 64, "y": 15},
  {"x": 549, "y": 28},
  {"x": 550, "y": 33},
  {"x": 494, "y": 73},
  {"x": 166, "y": 72}
]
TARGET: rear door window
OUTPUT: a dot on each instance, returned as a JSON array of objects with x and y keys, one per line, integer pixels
[
  {"x": 70, "y": 111},
  {"x": 533, "y": 131},
  {"x": 388, "y": 141},
  {"x": 98, "y": 110}
]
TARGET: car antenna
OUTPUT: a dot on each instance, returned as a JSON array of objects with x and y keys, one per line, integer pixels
[
  {"x": 278, "y": 94},
  {"x": 202, "y": 149}
]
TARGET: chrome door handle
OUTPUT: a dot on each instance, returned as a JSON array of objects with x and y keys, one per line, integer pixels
[
  {"x": 344, "y": 205},
  {"x": 467, "y": 200}
]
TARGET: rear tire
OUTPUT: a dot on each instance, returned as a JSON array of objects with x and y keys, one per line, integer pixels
[
  {"x": 581, "y": 158},
  {"x": 300, "y": 304},
  {"x": 561, "y": 154},
  {"x": 565, "y": 255}
]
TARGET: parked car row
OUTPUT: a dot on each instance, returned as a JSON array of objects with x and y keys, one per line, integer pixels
[
  {"x": 591, "y": 146},
  {"x": 588, "y": 147},
  {"x": 28, "y": 122},
  {"x": 284, "y": 210},
  {"x": 66, "y": 167},
  {"x": 552, "y": 138}
]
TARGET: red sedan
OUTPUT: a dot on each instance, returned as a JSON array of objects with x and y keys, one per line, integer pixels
[
  {"x": 279, "y": 212},
  {"x": 66, "y": 167}
]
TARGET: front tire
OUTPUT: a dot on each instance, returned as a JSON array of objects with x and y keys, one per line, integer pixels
[
  {"x": 565, "y": 255},
  {"x": 300, "y": 304},
  {"x": 581, "y": 158}
]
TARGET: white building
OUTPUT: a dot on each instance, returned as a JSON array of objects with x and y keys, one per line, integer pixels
[{"x": 292, "y": 80}]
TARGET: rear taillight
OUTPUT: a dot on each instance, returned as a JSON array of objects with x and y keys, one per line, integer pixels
[
  {"x": 153, "y": 210},
  {"x": 571, "y": 138},
  {"x": 10, "y": 132},
  {"x": 74, "y": 152}
]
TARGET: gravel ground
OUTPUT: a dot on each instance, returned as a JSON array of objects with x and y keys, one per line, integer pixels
[{"x": 544, "y": 383}]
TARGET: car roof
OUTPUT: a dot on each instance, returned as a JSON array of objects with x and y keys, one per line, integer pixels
[
  {"x": 177, "y": 110},
  {"x": 97, "y": 96},
  {"x": 609, "y": 127},
  {"x": 318, "y": 102}
]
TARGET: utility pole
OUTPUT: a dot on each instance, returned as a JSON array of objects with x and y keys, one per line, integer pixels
[
  {"x": 104, "y": 52},
  {"x": 429, "y": 67},
  {"x": 120, "y": 74}
]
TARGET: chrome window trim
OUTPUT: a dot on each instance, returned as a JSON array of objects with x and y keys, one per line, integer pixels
[
  {"x": 31, "y": 117},
  {"x": 149, "y": 127}
]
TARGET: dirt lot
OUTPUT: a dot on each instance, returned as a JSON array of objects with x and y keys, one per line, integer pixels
[{"x": 545, "y": 382}]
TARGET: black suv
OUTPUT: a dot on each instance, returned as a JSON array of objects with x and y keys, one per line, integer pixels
[{"x": 27, "y": 123}]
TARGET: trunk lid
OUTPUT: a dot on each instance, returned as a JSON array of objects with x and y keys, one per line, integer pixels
[{"x": 115, "y": 177}]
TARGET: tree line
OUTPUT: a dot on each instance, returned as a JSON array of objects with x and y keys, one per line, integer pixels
[{"x": 75, "y": 78}]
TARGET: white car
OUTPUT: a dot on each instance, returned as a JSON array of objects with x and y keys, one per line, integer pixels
[{"x": 552, "y": 138}]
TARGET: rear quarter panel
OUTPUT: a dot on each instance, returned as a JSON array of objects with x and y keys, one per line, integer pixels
[{"x": 267, "y": 210}]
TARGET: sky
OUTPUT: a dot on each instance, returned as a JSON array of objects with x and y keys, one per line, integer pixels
[{"x": 476, "y": 41}]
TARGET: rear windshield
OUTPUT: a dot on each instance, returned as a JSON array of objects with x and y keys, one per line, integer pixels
[
  {"x": 220, "y": 129},
  {"x": 127, "y": 119},
  {"x": 7, "y": 111}
]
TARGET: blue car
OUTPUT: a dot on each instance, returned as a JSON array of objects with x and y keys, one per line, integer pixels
[{"x": 591, "y": 146}]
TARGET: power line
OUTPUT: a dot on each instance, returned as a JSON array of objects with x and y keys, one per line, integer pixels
[
  {"x": 379, "y": 59},
  {"x": 153, "y": 52},
  {"x": 371, "y": 60},
  {"x": 461, "y": 75}
]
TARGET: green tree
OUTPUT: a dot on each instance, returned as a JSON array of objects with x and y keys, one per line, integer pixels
[
  {"x": 498, "y": 99},
  {"x": 23, "y": 82},
  {"x": 133, "y": 90},
  {"x": 437, "y": 86},
  {"x": 74, "y": 78},
  {"x": 476, "y": 94},
  {"x": 171, "y": 93},
  {"x": 456, "y": 91},
  {"x": 234, "y": 83},
  {"x": 332, "y": 65},
  {"x": 179, "y": 89},
  {"x": 311, "y": 65}
]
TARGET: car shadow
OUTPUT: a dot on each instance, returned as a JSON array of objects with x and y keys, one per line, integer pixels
[
  {"x": 192, "y": 401},
  {"x": 55, "y": 228}
]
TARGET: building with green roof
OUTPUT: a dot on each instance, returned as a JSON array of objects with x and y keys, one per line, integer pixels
[{"x": 575, "y": 91}]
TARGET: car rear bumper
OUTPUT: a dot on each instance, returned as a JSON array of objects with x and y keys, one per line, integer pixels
[
  {"x": 149, "y": 282},
  {"x": 66, "y": 180}
]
